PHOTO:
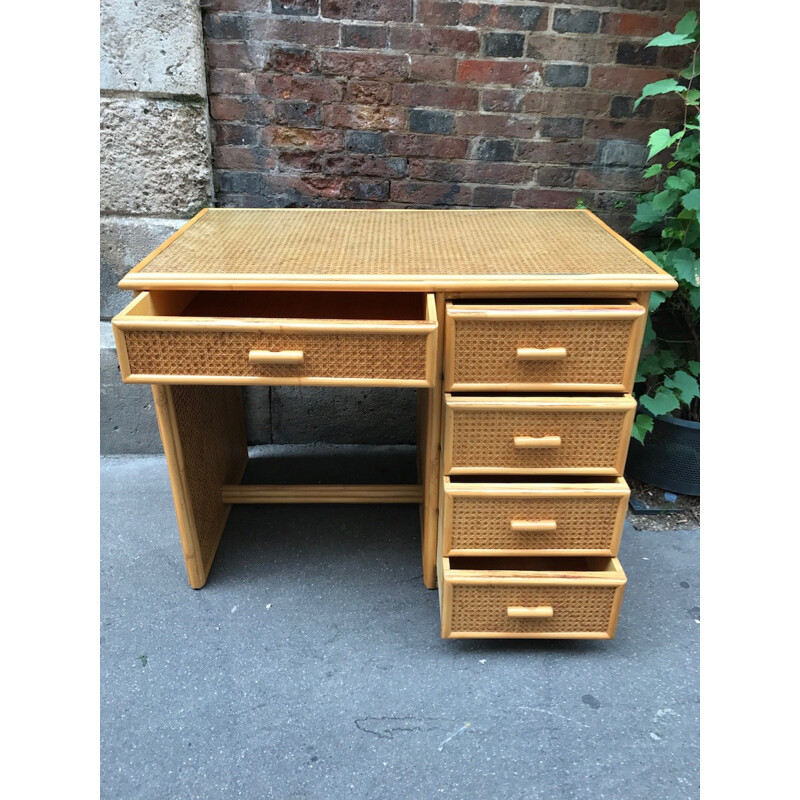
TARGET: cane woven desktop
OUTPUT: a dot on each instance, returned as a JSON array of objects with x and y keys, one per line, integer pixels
[{"x": 519, "y": 329}]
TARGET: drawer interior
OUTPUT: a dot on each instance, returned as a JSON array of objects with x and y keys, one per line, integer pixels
[
  {"x": 533, "y": 563},
  {"x": 405, "y": 306}
]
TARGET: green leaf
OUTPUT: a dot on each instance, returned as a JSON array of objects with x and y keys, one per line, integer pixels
[
  {"x": 649, "y": 364},
  {"x": 691, "y": 200},
  {"x": 671, "y": 40},
  {"x": 692, "y": 97},
  {"x": 694, "y": 367},
  {"x": 688, "y": 177},
  {"x": 687, "y": 24},
  {"x": 646, "y": 216},
  {"x": 678, "y": 183},
  {"x": 693, "y": 70},
  {"x": 649, "y": 333},
  {"x": 686, "y": 266},
  {"x": 664, "y": 401},
  {"x": 652, "y": 171},
  {"x": 661, "y": 139},
  {"x": 642, "y": 425},
  {"x": 656, "y": 299},
  {"x": 694, "y": 296},
  {"x": 665, "y": 200},
  {"x": 658, "y": 87},
  {"x": 687, "y": 386},
  {"x": 688, "y": 148}
]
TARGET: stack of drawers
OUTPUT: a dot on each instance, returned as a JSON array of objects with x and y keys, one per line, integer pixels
[{"x": 536, "y": 423}]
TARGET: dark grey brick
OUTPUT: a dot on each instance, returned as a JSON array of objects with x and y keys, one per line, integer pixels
[
  {"x": 307, "y": 8},
  {"x": 365, "y": 142},
  {"x": 628, "y": 53},
  {"x": 369, "y": 190},
  {"x": 297, "y": 113},
  {"x": 644, "y": 5},
  {"x": 562, "y": 127},
  {"x": 365, "y": 36},
  {"x": 493, "y": 150},
  {"x": 621, "y": 153},
  {"x": 566, "y": 21},
  {"x": 622, "y": 107},
  {"x": 226, "y": 26},
  {"x": 236, "y": 182},
  {"x": 492, "y": 197},
  {"x": 422, "y": 121},
  {"x": 503, "y": 45},
  {"x": 566, "y": 75}
]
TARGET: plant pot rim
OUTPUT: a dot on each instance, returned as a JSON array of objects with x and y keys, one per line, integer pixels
[{"x": 681, "y": 423}]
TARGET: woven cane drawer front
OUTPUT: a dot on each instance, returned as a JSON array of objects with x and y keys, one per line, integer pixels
[
  {"x": 533, "y": 604},
  {"x": 174, "y": 349},
  {"x": 543, "y": 347},
  {"x": 537, "y": 435},
  {"x": 533, "y": 519}
]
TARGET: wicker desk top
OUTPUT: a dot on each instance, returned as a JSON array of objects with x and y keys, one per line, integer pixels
[{"x": 428, "y": 250}]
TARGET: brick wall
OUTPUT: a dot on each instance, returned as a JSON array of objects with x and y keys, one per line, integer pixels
[{"x": 433, "y": 102}]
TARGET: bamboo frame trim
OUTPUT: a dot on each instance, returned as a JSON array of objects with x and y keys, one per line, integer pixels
[
  {"x": 531, "y": 311},
  {"x": 619, "y": 488},
  {"x": 560, "y": 403},
  {"x": 313, "y": 493},
  {"x": 614, "y": 576},
  {"x": 234, "y": 380}
]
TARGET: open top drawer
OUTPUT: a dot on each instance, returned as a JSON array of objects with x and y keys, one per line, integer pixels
[
  {"x": 541, "y": 346},
  {"x": 268, "y": 338},
  {"x": 530, "y": 598}
]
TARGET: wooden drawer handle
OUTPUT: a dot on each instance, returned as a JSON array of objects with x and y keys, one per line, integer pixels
[
  {"x": 537, "y": 442},
  {"x": 540, "y": 612},
  {"x": 534, "y": 526},
  {"x": 541, "y": 354},
  {"x": 282, "y": 357}
]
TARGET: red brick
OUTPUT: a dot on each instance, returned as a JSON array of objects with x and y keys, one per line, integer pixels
[
  {"x": 435, "y": 194},
  {"x": 563, "y": 103},
  {"x": 552, "y": 175},
  {"x": 265, "y": 84},
  {"x": 510, "y": 72},
  {"x": 496, "y": 125},
  {"x": 379, "y": 10},
  {"x": 579, "y": 48},
  {"x": 364, "y": 36},
  {"x": 634, "y": 25},
  {"x": 293, "y": 59},
  {"x": 501, "y": 100},
  {"x": 541, "y": 152},
  {"x": 423, "y": 95},
  {"x": 635, "y": 129},
  {"x": 230, "y": 81},
  {"x": 227, "y": 157},
  {"x": 546, "y": 198},
  {"x": 376, "y": 66},
  {"x": 307, "y": 32},
  {"x": 305, "y": 138},
  {"x": 235, "y": 55},
  {"x": 625, "y": 80},
  {"x": 365, "y": 118},
  {"x": 667, "y": 108},
  {"x": 227, "y": 108},
  {"x": 436, "y": 12},
  {"x": 470, "y": 171},
  {"x": 369, "y": 93},
  {"x": 432, "y": 68},
  {"x": 300, "y": 87},
  {"x": 434, "y": 40},
  {"x": 235, "y": 134},
  {"x": 320, "y": 186},
  {"x": 409, "y": 144}
]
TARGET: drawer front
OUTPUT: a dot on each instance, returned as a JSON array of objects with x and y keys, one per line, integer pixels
[
  {"x": 269, "y": 352},
  {"x": 504, "y": 519},
  {"x": 543, "y": 348},
  {"x": 537, "y": 435},
  {"x": 537, "y": 607}
]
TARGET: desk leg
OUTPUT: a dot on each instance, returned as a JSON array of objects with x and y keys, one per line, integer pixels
[
  {"x": 202, "y": 430},
  {"x": 429, "y": 415}
]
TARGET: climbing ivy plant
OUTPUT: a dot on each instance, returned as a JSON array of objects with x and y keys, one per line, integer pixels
[{"x": 668, "y": 220}]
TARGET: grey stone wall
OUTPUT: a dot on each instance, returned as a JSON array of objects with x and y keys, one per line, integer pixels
[{"x": 155, "y": 172}]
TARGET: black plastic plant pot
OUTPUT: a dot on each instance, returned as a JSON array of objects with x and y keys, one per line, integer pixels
[{"x": 670, "y": 456}]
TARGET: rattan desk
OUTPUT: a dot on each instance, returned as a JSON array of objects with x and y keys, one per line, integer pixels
[{"x": 521, "y": 330}]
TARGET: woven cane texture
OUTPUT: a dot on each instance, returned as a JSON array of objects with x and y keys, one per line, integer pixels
[
  {"x": 211, "y": 436},
  {"x": 486, "y": 351},
  {"x": 576, "y": 609},
  {"x": 225, "y": 353},
  {"x": 484, "y": 523},
  {"x": 331, "y": 242},
  {"x": 485, "y": 439}
]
